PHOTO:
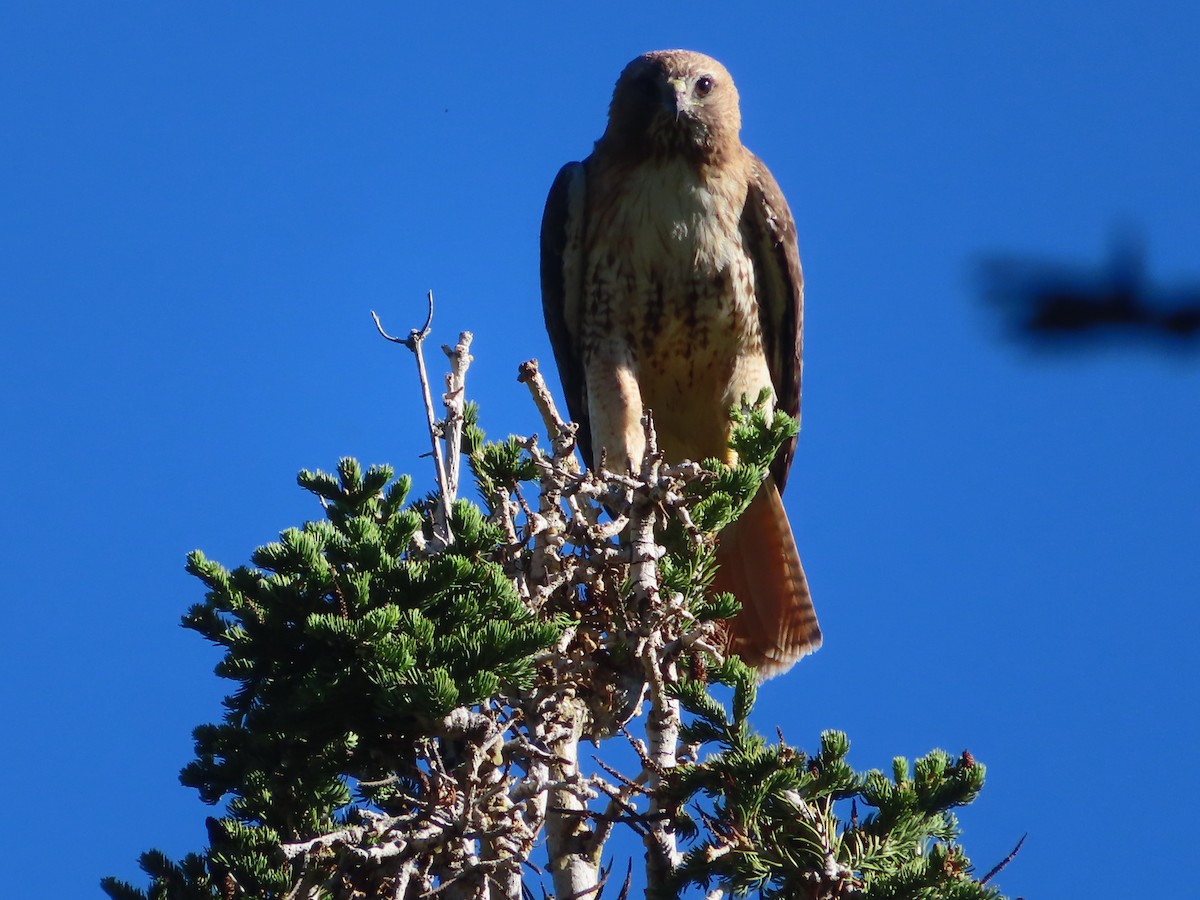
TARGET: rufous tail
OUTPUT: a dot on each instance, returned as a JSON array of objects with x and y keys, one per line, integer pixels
[{"x": 760, "y": 566}]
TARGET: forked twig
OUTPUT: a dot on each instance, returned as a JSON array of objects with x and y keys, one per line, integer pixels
[{"x": 413, "y": 342}]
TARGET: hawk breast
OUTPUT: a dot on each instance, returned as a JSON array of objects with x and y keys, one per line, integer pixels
[{"x": 669, "y": 278}]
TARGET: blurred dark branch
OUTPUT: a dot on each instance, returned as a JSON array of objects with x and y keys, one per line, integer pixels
[
  {"x": 999, "y": 867},
  {"x": 1055, "y": 303}
]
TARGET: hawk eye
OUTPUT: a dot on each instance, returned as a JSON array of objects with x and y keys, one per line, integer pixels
[{"x": 704, "y": 85}]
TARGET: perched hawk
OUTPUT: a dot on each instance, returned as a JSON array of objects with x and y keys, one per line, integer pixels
[{"x": 671, "y": 282}]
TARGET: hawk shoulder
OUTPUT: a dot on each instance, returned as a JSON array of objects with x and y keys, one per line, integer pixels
[{"x": 563, "y": 270}]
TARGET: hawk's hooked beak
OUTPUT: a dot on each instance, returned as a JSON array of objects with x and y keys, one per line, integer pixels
[{"x": 679, "y": 102}]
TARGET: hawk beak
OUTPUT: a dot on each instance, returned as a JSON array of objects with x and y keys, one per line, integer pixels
[{"x": 679, "y": 97}]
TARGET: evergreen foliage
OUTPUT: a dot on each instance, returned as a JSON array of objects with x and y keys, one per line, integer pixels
[
  {"x": 405, "y": 715},
  {"x": 347, "y": 650},
  {"x": 770, "y": 818}
]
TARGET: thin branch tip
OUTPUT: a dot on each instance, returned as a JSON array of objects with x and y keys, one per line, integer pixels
[{"x": 416, "y": 335}]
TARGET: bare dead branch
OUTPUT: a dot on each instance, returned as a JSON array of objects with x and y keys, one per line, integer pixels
[
  {"x": 443, "y": 536},
  {"x": 454, "y": 400}
]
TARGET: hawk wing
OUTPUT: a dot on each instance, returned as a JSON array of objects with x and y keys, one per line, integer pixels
[
  {"x": 563, "y": 270},
  {"x": 769, "y": 234}
]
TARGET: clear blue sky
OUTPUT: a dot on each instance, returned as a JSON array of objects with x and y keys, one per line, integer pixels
[{"x": 200, "y": 202}]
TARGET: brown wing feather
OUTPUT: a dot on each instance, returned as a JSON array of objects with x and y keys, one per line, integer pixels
[
  {"x": 563, "y": 269},
  {"x": 770, "y": 235}
]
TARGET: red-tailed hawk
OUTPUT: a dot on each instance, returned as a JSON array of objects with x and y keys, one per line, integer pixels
[{"x": 671, "y": 282}]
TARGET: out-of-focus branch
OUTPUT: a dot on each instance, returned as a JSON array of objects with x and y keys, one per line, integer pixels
[{"x": 1064, "y": 304}]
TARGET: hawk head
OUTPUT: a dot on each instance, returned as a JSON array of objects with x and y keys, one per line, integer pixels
[{"x": 674, "y": 102}]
